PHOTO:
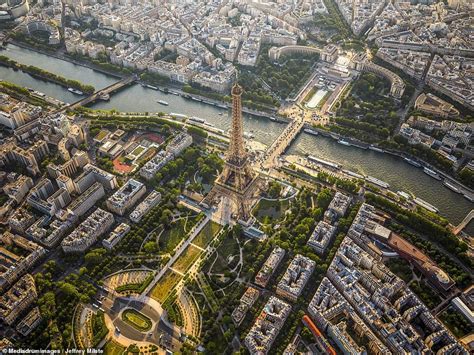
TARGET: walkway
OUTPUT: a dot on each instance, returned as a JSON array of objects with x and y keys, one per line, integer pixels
[
  {"x": 464, "y": 223},
  {"x": 178, "y": 253}
]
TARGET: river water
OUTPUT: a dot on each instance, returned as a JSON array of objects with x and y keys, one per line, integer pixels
[{"x": 395, "y": 171}]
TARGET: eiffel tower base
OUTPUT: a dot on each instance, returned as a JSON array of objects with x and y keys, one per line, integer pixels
[{"x": 244, "y": 200}]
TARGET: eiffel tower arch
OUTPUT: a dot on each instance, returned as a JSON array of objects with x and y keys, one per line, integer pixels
[{"x": 237, "y": 181}]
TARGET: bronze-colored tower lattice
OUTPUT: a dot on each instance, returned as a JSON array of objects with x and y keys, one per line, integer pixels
[{"x": 237, "y": 180}]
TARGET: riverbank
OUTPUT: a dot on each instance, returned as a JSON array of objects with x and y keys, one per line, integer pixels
[
  {"x": 48, "y": 76},
  {"x": 396, "y": 153},
  {"x": 68, "y": 58},
  {"x": 172, "y": 90},
  {"x": 118, "y": 73}
]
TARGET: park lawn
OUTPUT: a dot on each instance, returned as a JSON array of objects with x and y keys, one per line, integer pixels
[
  {"x": 227, "y": 248},
  {"x": 137, "y": 320},
  {"x": 207, "y": 233},
  {"x": 171, "y": 237},
  {"x": 187, "y": 258},
  {"x": 114, "y": 348},
  {"x": 272, "y": 210},
  {"x": 165, "y": 285}
]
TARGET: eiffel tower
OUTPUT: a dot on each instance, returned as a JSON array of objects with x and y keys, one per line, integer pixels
[{"x": 238, "y": 181}]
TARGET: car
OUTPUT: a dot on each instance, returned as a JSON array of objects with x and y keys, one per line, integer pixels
[{"x": 117, "y": 330}]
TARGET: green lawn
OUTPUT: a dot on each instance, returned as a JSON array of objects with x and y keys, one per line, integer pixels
[
  {"x": 113, "y": 348},
  {"x": 137, "y": 320},
  {"x": 138, "y": 150},
  {"x": 101, "y": 135},
  {"x": 207, "y": 233},
  {"x": 148, "y": 155},
  {"x": 171, "y": 237},
  {"x": 227, "y": 248},
  {"x": 165, "y": 285},
  {"x": 187, "y": 258},
  {"x": 270, "y": 210}
]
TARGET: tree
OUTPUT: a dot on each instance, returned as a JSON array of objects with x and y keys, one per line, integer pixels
[
  {"x": 47, "y": 305},
  {"x": 150, "y": 247},
  {"x": 95, "y": 256},
  {"x": 68, "y": 289},
  {"x": 274, "y": 189},
  {"x": 166, "y": 217},
  {"x": 324, "y": 198},
  {"x": 301, "y": 229}
]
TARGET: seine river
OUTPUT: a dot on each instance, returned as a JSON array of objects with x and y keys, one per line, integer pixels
[{"x": 395, "y": 171}]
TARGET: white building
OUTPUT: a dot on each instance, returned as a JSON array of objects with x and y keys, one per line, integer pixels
[
  {"x": 87, "y": 232},
  {"x": 145, "y": 206},
  {"x": 116, "y": 236},
  {"x": 321, "y": 237},
  {"x": 125, "y": 197},
  {"x": 295, "y": 278}
]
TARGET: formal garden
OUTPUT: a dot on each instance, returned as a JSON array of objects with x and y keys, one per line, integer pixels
[{"x": 136, "y": 319}]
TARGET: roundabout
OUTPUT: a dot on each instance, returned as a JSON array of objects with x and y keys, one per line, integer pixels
[{"x": 139, "y": 320}]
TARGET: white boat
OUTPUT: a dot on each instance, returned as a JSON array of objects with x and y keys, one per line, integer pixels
[
  {"x": 311, "y": 131},
  {"x": 404, "y": 194},
  {"x": 353, "y": 174},
  {"x": 451, "y": 187},
  {"x": 163, "y": 102},
  {"x": 375, "y": 149},
  {"x": 432, "y": 173},
  {"x": 197, "y": 119},
  {"x": 343, "y": 142},
  {"x": 178, "y": 115},
  {"x": 151, "y": 87},
  {"x": 196, "y": 99},
  {"x": 104, "y": 97},
  {"x": 75, "y": 91},
  {"x": 469, "y": 198},
  {"x": 377, "y": 182},
  {"x": 273, "y": 119},
  {"x": 426, "y": 205},
  {"x": 412, "y": 162},
  {"x": 324, "y": 162},
  {"x": 221, "y": 106}
]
